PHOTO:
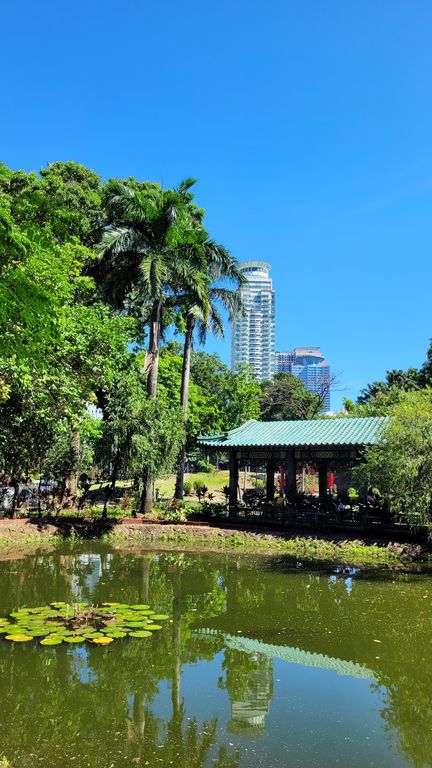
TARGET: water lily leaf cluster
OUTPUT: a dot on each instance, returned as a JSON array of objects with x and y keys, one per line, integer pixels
[{"x": 60, "y": 622}]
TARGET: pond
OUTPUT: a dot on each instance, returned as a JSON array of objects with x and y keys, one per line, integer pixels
[{"x": 263, "y": 663}]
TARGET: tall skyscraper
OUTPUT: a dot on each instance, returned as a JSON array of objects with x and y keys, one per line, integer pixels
[
  {"x": 309, "y": 365},
  {"x": 253, "y": 331}
]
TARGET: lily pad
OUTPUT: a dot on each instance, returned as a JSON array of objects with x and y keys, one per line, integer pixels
[
  {"x": 77, "y": 622},
  {"x": 116, "y": 633},
  {"x": 135, "y": 624},
  {"x": 140, "y": 633}
]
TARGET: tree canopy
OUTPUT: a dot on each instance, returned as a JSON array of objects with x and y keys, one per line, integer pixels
[
  {"x": 400, "y": 465},
  {"x": 285, "y": 398}
]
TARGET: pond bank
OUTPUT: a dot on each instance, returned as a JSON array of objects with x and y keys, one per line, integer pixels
[{"x": 32, "y": 534}]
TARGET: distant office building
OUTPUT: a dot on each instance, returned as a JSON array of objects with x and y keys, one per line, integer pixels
[
  {"x": 309, "y": 365},
  {"x": 253, "y": 332}
]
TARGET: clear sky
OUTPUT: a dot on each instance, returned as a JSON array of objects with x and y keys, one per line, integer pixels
[{"x": 308, "y": 124}]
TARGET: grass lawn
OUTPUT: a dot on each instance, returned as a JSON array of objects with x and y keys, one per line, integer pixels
[{"x": 214, "y": 481}]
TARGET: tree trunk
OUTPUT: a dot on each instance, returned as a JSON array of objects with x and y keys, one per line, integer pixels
[
  {"x": 15, "y": 496},
  {"x": 147, "y": 494},
  {"x": 72, "y": 480},
  {"x": 111, "y": 487},
  {"x": 39, "y": 490},
  {"x": 151, "y": 364},
  {"x": 184, "y": 398}
]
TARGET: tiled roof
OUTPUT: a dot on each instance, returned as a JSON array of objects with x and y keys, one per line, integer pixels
[{"x": 343, "y": 431}]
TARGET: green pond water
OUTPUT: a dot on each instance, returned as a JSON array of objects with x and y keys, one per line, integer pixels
[{"x": 264, "y": 663}]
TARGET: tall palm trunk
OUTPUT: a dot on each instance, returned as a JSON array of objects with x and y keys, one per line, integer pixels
[
  {"x": 184, "y": 398},
  {"x": 152, "y": 368},
  {"x": 152, "y": 355}
]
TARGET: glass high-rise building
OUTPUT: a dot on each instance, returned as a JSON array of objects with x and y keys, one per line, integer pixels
[
  {"x": 309, "y": 365},
  {"x": 253, "y": 331}
]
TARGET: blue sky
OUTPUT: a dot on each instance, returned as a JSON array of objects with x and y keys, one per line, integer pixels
[{"x": 308, "y": 125}]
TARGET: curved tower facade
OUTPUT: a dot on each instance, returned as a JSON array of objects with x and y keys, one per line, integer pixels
[{"x": 253, "y": 332}]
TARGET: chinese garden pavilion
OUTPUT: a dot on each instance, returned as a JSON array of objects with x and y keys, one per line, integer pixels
[{"x": 323, "y": 443}]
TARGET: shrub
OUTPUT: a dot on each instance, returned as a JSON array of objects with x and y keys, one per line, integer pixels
[
  {"x": 213, "y": 509},
  {"x": 174, "y": 515},
  {"x": 258, "y": 483},
  {"x": 199, "y": 485},
  {"x": 126, "y": 502},
  {"x": 204, "y": 466},
  {"x": 352, "y": 494},
  {"x": 187, "y": 487}
]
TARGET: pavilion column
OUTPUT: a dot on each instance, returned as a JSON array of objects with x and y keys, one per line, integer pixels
[
  {"x": 270, "y": 484},
  {"x": 233, "y": 481},
  {"x": 291, "y": 478},
  {"x": 322, "y": 477}
]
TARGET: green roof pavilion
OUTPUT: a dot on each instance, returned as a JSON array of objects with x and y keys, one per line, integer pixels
[{"x": 286, "y": 443}]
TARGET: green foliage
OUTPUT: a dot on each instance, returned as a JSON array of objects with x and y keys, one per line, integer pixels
[
  {"x": 64, "y": 201},
  {"x": 200, "y": 488},
  {"x": 353, "y": 494},
  {"x": 380, "y": 396},
  {"x": 219, "y": 398},
  {"x": 285, "y": 399},
  {"x": 187, "y": 488},
  {"x": 204, "y": 466},
  {"x": 156, "y": 440},
  {"x": 401, "y": 464},
  {"x": 174, "y": 514}
]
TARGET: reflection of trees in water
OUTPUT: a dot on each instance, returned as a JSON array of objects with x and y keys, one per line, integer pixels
[
  {"x": 83, "y": 698},
  {"x": 80, "y": 698},
  {"x": 186, "y": 745},
  {"x": 407, "y": 711}
]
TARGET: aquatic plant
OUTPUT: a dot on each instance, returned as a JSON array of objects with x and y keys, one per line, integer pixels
[{"x": 60, "y": 622}]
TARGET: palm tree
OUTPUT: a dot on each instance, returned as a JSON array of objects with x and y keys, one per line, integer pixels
[
  {"x": 204, "y": 316},
  {"x": 153, "y": 250},
  {"x": 150, "y": 251}
]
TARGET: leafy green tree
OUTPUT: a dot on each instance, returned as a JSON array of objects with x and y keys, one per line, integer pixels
[
  {"x": 396, "y": 380},
  {"x": 400, "y": 465},
  {"x": 286, "y": 399},
  {"x": 231, "y": 398},
  {"x": 155, "y": 445},
  {"x": 120, "y": 423},
  {"x": 59, "y": 345},
  {"x": 64, "y": 200},
  {"x": 26, "y": 306}
]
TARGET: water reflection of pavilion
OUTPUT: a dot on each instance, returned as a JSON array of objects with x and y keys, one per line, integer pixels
[
  {"x": 291, "y": 655},
  {"x": 248, "y": 664}
]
